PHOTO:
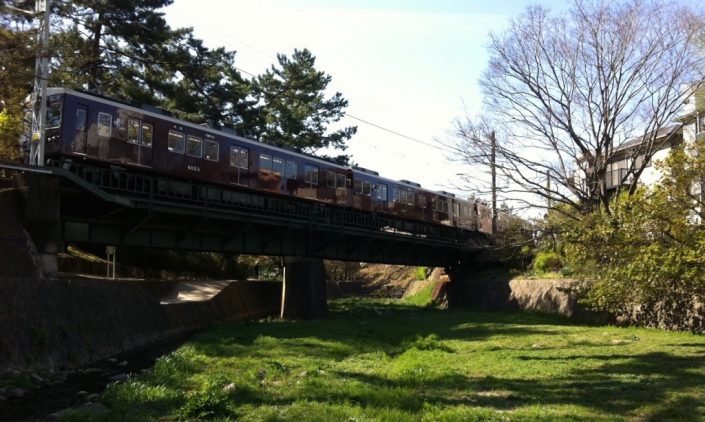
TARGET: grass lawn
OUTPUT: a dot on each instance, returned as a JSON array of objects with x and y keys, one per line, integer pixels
[{"x": 387, "y": 360}]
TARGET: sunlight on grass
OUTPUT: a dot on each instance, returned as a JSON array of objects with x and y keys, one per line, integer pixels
[{"x": 390, "y": 360}]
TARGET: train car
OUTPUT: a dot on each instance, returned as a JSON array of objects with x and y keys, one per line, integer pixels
[{"x": 83, "y": 126}]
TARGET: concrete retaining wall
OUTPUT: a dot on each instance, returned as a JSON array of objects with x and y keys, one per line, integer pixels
[{"x": 67, "y": 323}]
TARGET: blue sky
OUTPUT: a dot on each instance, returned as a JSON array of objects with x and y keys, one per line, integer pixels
[{"x": 409, "y": 66}]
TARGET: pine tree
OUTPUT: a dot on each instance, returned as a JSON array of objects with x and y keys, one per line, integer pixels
[{"x": 294, "y": 110}]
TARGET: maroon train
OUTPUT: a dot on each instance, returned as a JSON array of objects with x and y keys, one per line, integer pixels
[{"x": 84, "y": 126}]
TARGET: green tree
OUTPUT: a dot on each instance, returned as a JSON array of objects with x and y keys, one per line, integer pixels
[
  {"x": 644, "y": 260},
  {"x": 293, "y": 107},
  {"x": 209, "y": 88},
  {"x": 16, "y": 73},
  {"x": 122, "y": 49}
]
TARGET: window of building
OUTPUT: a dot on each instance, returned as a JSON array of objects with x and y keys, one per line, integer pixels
[
  {"x": 176, "y": 142},
  {"x": 311, "y": 174},
  {"x": 211, "y": 150},
  {"x": 290, "y": 170},
  {"x": 265, "y": 162},
  {"x": 278, "y": 166},
  {"x": 194, "y": 146},
  {"x": 700, "y": 123},
  {"x": 331, "y": 180},
  {"x": 105, "y": 125}
]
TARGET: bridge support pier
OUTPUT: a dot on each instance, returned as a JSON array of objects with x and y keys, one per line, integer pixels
[{"x": 304, "y": 288}]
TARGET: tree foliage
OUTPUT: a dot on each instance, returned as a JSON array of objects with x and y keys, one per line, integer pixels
[
  {"x": 127, "y": 50},
  {"x": 646, "y": 254},
  {"x": 565, "y": 92},
  {"x": 294, "y": 110}
]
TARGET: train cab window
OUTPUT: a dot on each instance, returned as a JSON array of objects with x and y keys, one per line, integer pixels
[
  {"x": 194, "y": 146},
  {"x": 211, "y": 150},
  {"x": 176, "y": 142},
  {"x": 105, "y": 125},
  {"x": 147, "y": 134},
  {"x": 311, "y": 174},
  {"x": 278, "y": 166},
  {"x": 290, "y": 170},
  {"x": 366, "y": 188},
  {"x": 340, "y": 181},
  {"x": 331, "y": 180},
  {"x": 358, "y": 186},
  {"x": 265, "y": 162},
  {"x": 80, "y": 120},
  {"x": 53, "y": 115},
  {"x": 380, "y": 192}
]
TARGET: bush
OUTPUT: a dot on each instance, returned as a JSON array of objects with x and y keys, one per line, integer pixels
[
  {"x": 547, "y": 262},
  {"x": 421, "y": 273}
]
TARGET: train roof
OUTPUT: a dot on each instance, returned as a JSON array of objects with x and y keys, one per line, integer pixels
[{"x": 157, "y": 114}]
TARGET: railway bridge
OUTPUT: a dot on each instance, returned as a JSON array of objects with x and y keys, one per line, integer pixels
[{"x": 76, "y": 202}]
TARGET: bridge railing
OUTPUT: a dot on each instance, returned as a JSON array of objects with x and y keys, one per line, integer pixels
[{"x": 148, "y": 190}]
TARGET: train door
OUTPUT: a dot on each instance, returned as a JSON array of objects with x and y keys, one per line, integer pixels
[
  {"x": 140, "y": 135},
  {"x": 239, "y": 161},
  {"x": 310, "y": 189},
  {"x": 80, "y": 137}
]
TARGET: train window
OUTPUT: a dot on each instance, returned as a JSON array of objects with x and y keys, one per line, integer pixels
[
  {"x": 341, "y": 181},
  {"x": 278, "y": 166},
  {"x": 147, "y": 134},
  {"x": 133, "y": 131},
  {"x": 211, "y": 150},
  {"x": 234, "y": 156},
  {"x": 176, "y": 142},
  {"x": 366, "y": 188},
  {"x": 410, "y": 198},
  {"x": 194, "y": 146},
  {"x": 422, "y": 201},
  {"x": 265, "y": 162},
  {"x": 290, "y": 170},
  {"x": 244, "y": 158},
  {"x": 331, "y": 180},
  {"x": 395, "y": 194},
  {"x": 381, "y": 192},
  {"x": 53, "y": 116},
  {"x": 105, "y": 125},
  {"x": 311, "y": 175},
  {"x": 80, "y": 119},
  {"x": 358, "y": 186}
]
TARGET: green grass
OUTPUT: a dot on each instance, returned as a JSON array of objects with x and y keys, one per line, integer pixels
[{"x": 390, "y": 361}]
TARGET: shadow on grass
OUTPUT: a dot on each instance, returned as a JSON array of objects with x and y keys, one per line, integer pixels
[{"x": 615, "y": 384}]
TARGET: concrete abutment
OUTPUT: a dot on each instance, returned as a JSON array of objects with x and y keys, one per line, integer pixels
[{"x": 304, "y": 289}]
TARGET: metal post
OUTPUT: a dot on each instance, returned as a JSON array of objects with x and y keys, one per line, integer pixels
[{"x": 41, "y": 75}]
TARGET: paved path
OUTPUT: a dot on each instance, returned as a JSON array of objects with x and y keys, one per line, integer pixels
[{"x": 195, "y": 291}]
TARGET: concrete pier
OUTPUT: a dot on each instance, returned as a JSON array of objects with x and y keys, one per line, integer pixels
[{"x": 304, "y": 290}]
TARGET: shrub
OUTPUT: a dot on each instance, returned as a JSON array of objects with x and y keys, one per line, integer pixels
[
  {"x": 547, "y": 262},
  {"x": 421, "y": 273}
]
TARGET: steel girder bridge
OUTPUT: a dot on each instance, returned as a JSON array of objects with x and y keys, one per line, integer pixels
[{"x": 76, "y": 202}]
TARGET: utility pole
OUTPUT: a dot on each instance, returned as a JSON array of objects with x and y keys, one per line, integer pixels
[
  {"x": 39, "y": 95},
  {"x": 493, "y": 171},
  {"x": 548, "y": 188}
]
